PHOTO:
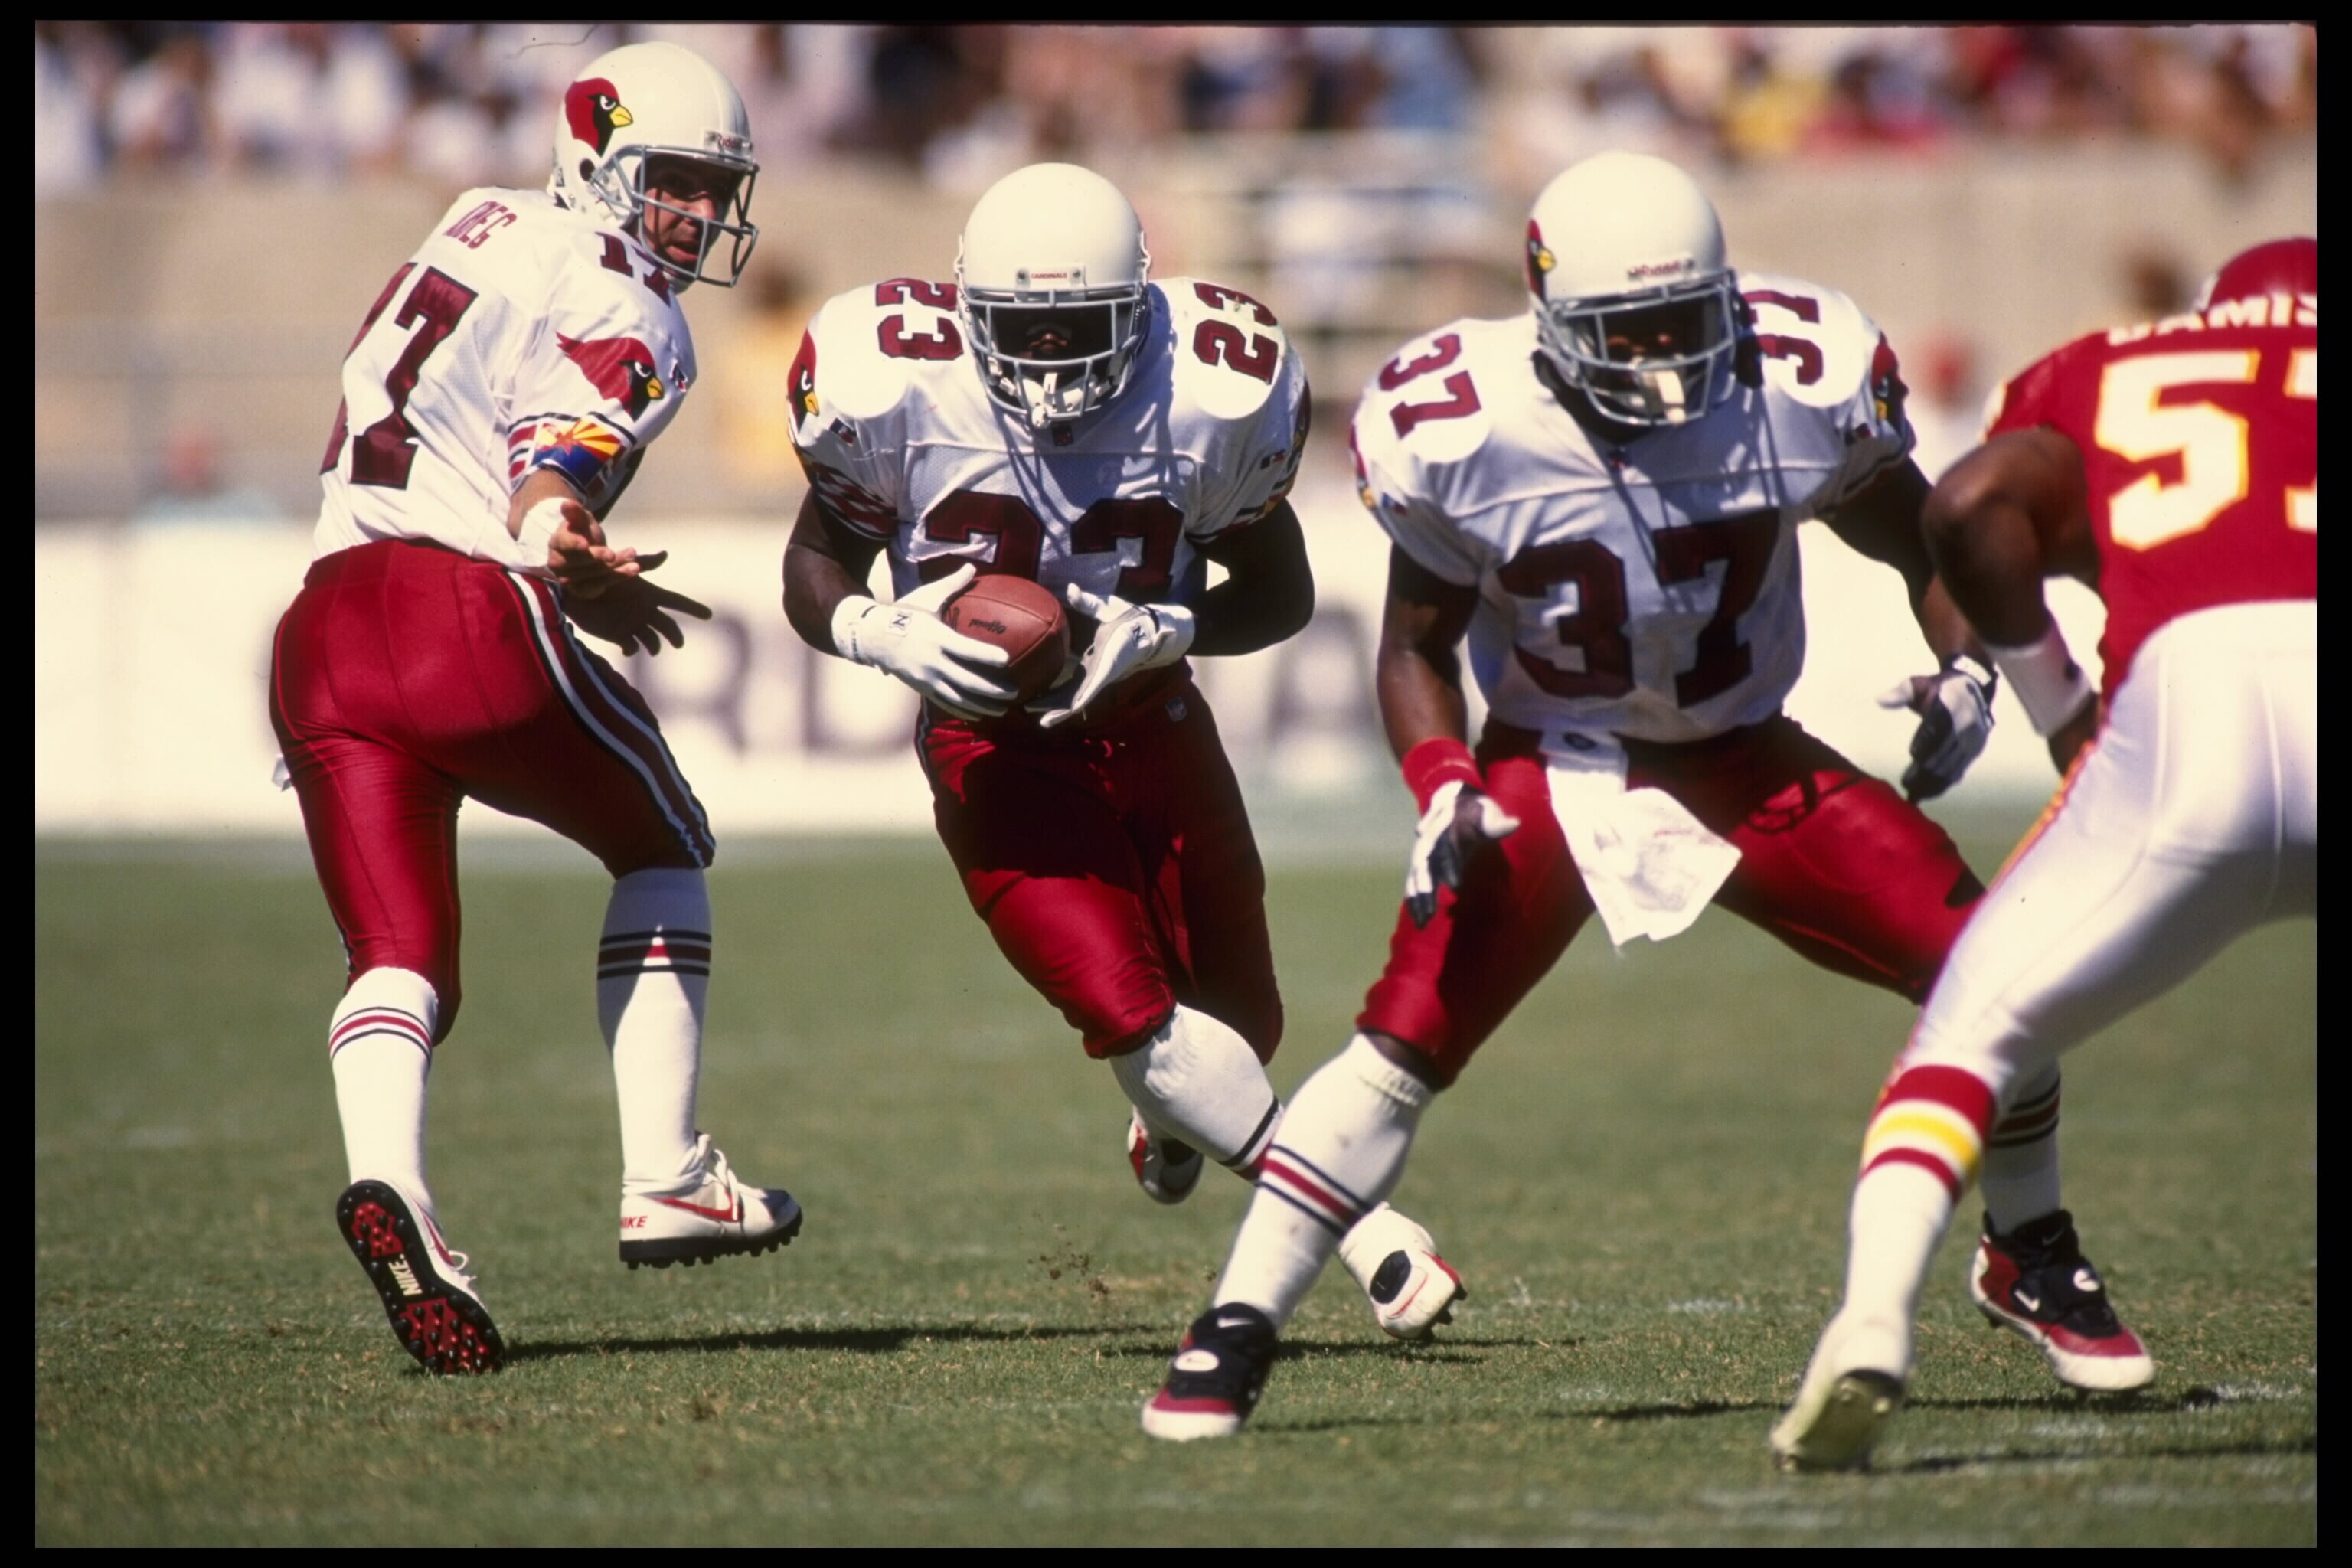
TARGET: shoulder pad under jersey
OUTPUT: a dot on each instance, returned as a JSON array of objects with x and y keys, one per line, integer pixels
[
  {"x": 1433, "y": 406},
  {"x": 1814, "y": 344},
  {"x": 875, "y": 343},
  {"x": 1228, "y": 354}
]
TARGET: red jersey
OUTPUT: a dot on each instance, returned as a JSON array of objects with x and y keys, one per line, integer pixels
[{"x": 2199, "y": 441}]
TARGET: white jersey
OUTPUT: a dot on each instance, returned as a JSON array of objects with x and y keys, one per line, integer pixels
[
  {"x": 1649, "y": 590},
  {"x": 521, "y": 335},
  {"x": 902, "y": 442}
]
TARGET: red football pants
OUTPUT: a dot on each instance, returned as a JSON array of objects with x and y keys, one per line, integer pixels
[
  {"x": 1115, "y": 868},
  {"x": 1832, "y": 862},
  {"x": 407, "y": 677}
]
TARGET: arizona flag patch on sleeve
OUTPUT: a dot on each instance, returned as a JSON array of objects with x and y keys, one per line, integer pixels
[{"x": 584, "y": 450}]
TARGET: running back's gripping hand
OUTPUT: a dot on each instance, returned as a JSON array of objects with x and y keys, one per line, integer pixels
[
  {"x": 1955, "y": 709},
  {"x": 1128, "y": 638},
  {"x": 907, "y": 638},
  {"x": 1460, "y": 822}
]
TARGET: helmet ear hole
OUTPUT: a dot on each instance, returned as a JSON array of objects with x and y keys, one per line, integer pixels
[{"x": 587, "y": 168}]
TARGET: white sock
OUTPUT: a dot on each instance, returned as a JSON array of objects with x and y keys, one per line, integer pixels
[
  {"x": 1899, "y": 1214},
  {"x": 653, "y": 971},
  {"x": 1197, "y": 1080},
  {"x": 1340, "y": 1150},
  {"x": 380, "y": 1045},
  {"x": 2021, "y": 1159}
]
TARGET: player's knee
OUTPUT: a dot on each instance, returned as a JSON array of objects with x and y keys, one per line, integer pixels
[
  {"x": 1424, "y": 1066},
  {"x": 664, "y": 853},
  {"x": 1113, "y": 1018},
  {"x": 391, "y": 988},
  {"x": 433, "y": 964}
]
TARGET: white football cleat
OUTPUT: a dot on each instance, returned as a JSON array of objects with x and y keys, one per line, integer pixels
[
  {"x": 1412, "y": 1289},
  {"x": 428, "y": 1289},
  {"x": 718, "y": 1218},
  {"x": 1853, "y": 1388},
  {"x": 1165, "y": 1175}
]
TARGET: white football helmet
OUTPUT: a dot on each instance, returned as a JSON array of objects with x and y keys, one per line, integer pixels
[
  {"x": 1050, "y": 289},
  {"x": 1635, "y": 304},
  {"x": 657, "y": 100}
]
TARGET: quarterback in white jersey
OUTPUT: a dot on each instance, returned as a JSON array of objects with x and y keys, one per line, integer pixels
[
  {"x": 1604, "y": 494},
  {"x": 553, "y": 339},
  {"x": 495, "y": 402},
  {"x": 1056, "y": 416}
]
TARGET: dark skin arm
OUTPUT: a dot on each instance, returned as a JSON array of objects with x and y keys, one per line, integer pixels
[
  {"x": 1418, "y": 674},
  {"x": 1269, "y": 593},
  {"x": 1883, "y": 523},
  {"x": 2009, "y": 514},
  {"x": 1418, "y": 670},
  {"x": 825, "y": 562}
]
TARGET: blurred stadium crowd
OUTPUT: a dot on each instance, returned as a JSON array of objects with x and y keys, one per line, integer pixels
[
  {"x": 1369, "y": 181},
  {"x": 459, "y": 102}
]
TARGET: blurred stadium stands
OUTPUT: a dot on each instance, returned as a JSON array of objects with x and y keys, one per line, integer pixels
[{"x": 218, "y": 204}]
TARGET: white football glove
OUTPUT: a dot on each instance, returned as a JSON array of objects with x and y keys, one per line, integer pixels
[
  {"x": 1460, "y": 821},
  {"x": 908, "y": 638},
  {"x": 1955, "y": 709},
  {"x": 1128, "y": 638}
]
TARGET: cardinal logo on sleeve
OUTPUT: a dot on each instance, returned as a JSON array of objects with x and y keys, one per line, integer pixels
[{"x": 620, "y": 368}]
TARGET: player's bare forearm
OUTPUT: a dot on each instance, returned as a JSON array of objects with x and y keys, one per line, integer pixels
[
  {"x": 1269, "y": 593},
  {"x": 538, "y": 485},
  {"x": 2004, "y": 518},
  {"x": 824, "y": 563},
  {"x": 1883, "y": 522},
  {"x": 1418, "y": 670},
  {"x": 570, "y": 536}
]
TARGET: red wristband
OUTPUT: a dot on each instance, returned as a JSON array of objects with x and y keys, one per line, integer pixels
[{"x": 1438, "y": 761}]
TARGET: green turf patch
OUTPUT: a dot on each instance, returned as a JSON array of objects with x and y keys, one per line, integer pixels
[{"x": 1643, "y": 1179}]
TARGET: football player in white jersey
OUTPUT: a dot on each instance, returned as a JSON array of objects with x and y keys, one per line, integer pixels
[
  {"x": 495, "y": 402},
  {"x": 1057, "y": 414},
  {"x": 1603, "y": 493}
]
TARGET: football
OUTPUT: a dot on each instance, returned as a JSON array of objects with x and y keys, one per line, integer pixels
[{"x": 1023, "y": 619}]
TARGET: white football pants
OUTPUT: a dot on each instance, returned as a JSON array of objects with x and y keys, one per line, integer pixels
[{"x": 2195, "y": 818}]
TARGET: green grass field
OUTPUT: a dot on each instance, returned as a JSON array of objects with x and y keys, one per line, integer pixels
[{"x": 1643, "y": 1180}]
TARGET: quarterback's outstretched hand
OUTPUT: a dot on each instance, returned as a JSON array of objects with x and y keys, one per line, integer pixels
[
  {"x": 908, "y": 638},
  {"x": 563, "y": 538},
  {"x": 1128, "y": 638},
  {"x": 1459, "y": 824},
  {"x": 637, "y": 614},
  {"x": 1955, "y": 709}
]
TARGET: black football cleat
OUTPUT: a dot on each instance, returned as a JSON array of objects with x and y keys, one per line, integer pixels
[
  {"x": 1215, "y": 1377},
  {"x": 2036, "y": 1283}
]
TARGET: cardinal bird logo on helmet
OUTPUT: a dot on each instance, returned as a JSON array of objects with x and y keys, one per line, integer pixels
[
  {"x": 594, "y": 112},
  {"x": 1540, "y": 259},
  {"x": 620, "y": 368}
]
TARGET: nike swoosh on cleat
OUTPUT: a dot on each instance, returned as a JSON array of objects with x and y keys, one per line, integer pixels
[
  {"x": 723, "y": 1216},
  {"x": 2030, "y": 1303}
]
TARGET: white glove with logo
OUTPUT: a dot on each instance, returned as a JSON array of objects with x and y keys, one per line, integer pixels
[
  {"x": 1955, "y": 709},
  {"x": 908, "y": 638},
  {"x": 1460, "y": 821},
  {"x": 1128, "y": 638}
]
